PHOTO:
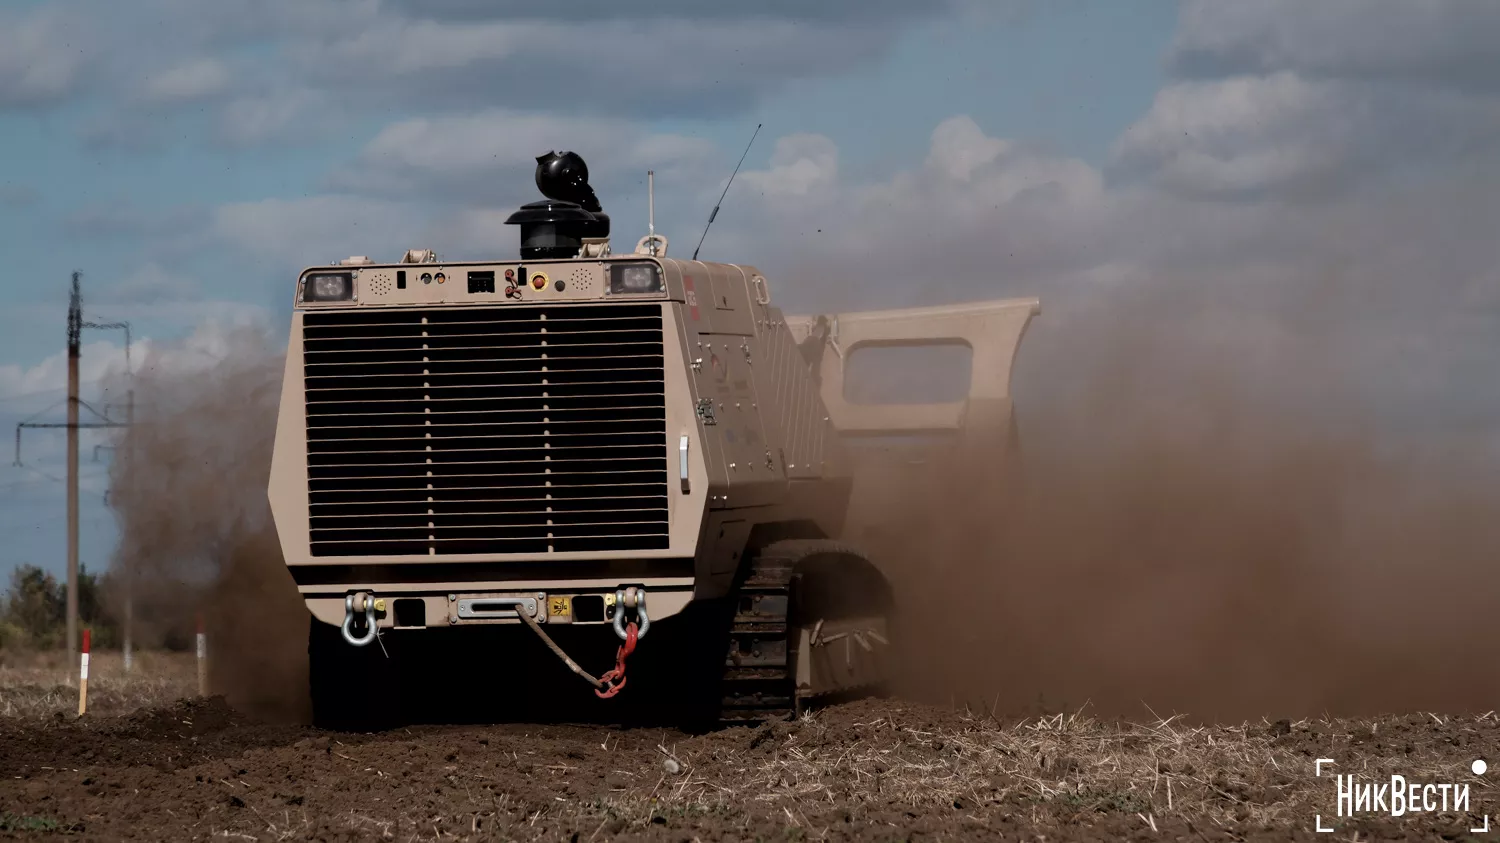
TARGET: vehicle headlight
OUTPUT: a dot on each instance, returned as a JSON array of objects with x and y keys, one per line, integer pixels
[
  {"x": 635, "y": 278},
  {"x": 328, "y": 286}
]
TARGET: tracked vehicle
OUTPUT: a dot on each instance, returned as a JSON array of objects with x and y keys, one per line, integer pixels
[{"x": 614, "y": 450}]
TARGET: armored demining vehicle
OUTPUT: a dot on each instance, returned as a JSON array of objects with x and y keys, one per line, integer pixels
[{"x": 590, "y": 459}]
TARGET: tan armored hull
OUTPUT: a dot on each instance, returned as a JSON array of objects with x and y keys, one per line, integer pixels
[{"x": 605, "y": 440}]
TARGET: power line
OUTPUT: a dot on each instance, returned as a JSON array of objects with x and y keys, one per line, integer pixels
[
  {"x": 76, "y": 324},
  {"x": 21, "y": 525},
  {"x": 21, "y": 484},
  {"x": 41, "y": 392}
]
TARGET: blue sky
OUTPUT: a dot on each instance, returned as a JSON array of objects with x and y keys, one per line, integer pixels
[
  {"x": 1069, "y": 75},
  {"x": 189, "y": 158}
]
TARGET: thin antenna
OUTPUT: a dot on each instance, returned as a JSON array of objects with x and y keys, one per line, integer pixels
[
  {"x": 651, "y": 209},
  {"x": 726, "y": 190}
]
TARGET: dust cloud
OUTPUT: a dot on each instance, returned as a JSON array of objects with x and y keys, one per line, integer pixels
[
  {"x": 189, "y": 494},
  {"x": 1194, "y": 524}
]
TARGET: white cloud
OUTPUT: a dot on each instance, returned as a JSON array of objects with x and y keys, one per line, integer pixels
[
  {"x": 1289, "y": 101},
  {"x": 1290, "y": 137},
  {"x": 1340, "y": 169},
  {"x": 209, "y": 343},
  {"x": 37, "y": 393},
  {"x": 395, "y": 47},
  {"x": 122, "y": 218},
  {"x": 1374, "y": 292},
  {"x": 959, "y": 147},
  {"x": 973, "y": 199},
  {"x": 316, "y": 229},
  {"x": 42, "y": 57},
  {"x": 495, "y": 61},
  {"x": 800, "y": 164},
  {"x": 1240, "y": 134},
  {"x": 151, "y": 284},
  {"x": 195, "y": 80},
  {"x": 271, "y": 65},
  {"x": 254, "y": 119},
  {"x": 481, "y": 155},
  {"x": 1439, "y": 41},
  {"x": 51, "y": 374},
  {"x": 99, "y": 361}
]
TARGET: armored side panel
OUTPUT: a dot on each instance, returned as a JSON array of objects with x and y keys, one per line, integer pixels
[
  {"x": 769, "y": 441},
  {"x": 900, "y": 449}
]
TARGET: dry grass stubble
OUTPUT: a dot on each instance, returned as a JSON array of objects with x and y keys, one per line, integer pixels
[
  {"x": 45, "y": 684},
  {"x": 1060, "y": 768}
]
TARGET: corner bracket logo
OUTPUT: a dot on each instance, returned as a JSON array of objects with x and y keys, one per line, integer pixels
[{"x": 1397, "y": 797}]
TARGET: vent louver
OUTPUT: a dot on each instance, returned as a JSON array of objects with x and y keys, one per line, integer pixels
[{"x": 486, "y": 430}]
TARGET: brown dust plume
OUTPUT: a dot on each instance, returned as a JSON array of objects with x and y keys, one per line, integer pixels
[
  {"x": 189, "y": 494},
  {"x": 1192, "y": 529},
  {"x": 1181, "y": 531}
]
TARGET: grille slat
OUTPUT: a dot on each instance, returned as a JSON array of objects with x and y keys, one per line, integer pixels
[
  {"x": 387, "y": 459},
  {"x": 363, "y": 368},
  {"x": 486, "y": 430},
  {"x": 546, "y": 346},
  {"x": 554, "y": 317},
  {"x": 385, "y": 432},
  {"x": 447, "y": 382},
  {"x": 602, "y": 407},
  {"x": 533, "y": 416},
  {"x": 466, "y": 505},
  {"x": 561, "y": 473}
]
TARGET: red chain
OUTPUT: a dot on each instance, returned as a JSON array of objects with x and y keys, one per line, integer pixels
[{"x": 618, "y": 674}]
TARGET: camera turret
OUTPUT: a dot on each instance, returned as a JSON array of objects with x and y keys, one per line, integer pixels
[{"x": 569, "y": 223}]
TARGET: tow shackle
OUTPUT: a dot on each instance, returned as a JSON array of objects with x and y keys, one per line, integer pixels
[
  {"x": 635, "y": 597},
  {"x": 369, "y": 613}
]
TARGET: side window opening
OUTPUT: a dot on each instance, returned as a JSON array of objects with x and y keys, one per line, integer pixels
[{"x": 909, "y": 373}]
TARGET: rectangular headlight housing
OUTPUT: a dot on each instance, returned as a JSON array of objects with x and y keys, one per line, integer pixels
[
  {"x": 328, "y": 286},
  {"x": 626, "y": 278}
]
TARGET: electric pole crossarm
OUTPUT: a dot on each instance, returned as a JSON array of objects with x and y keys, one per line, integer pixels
[
  {"x": 115, "y": 326},
  {"x": 79, "y": 425},
  {"x": 85, "y": 405},
  {"x": 59, "y": 426}
]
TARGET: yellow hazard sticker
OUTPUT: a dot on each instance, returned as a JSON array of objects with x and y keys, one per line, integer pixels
[{"x": 559, "y": 607}]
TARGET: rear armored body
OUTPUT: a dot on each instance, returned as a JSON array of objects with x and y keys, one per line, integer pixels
[{"x": 618, "y": 451}]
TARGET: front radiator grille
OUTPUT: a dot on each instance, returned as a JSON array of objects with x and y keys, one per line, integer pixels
[{"x": 486, "y": 430}]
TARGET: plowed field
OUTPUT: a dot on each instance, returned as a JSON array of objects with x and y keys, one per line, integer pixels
[{"x": 873, "y": 770}]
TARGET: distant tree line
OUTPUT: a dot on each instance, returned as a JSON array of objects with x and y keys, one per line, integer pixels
[{"x": 34, "y": 614}]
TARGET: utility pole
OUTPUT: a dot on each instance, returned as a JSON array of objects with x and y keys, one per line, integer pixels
[
  {"x": 129, "y": 466},
  {"x": 75, "y": 331}
]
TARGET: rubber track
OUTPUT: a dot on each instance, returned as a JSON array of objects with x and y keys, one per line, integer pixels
[{"x": 758, "y": 683}]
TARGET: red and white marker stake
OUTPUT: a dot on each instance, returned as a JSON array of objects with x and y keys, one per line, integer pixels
[
  {"x": 202, "y": 659},
  {"x": 83, "y": 676}
]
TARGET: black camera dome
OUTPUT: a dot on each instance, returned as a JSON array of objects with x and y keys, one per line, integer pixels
[
  {"x": 564, "y": 176},
  {"x": 557, "y": 226}
]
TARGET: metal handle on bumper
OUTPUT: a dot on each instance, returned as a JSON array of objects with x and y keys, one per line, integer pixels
[{"x": 495, "y": 607}]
